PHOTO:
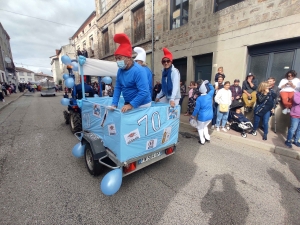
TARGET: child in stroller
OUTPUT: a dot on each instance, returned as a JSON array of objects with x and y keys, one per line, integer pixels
[{"x": 238, "y": 121}]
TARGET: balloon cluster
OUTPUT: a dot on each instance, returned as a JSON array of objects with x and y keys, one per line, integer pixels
[{"x": 67, "y": 61}]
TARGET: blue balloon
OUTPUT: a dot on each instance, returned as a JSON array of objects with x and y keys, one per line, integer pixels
[
  {"x": 78, "y": 150},
  {"x": 111, "y": 182},
  {"x": 66, "y": 60},
  {"x": 107, "y": 80},
  {"x": 75, "y": 66},
  {"x": 66, "y": 76},
  {"x": 69, "y": 82},
  {"x": 65, "y": 101}
]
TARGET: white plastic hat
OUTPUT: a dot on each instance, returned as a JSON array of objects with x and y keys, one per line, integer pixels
[{"x": 141, "y": 54}]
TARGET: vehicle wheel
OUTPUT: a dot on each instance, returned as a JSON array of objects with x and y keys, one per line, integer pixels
[
  {"x": 94, "y": 167},
  {"x": 53, "y": 94},
  {"x": 42, "y": 95},
  {"x": 244, "y": 135},
  {"x": 75, "y": 122},
  {"x": 67, "y": 117}
]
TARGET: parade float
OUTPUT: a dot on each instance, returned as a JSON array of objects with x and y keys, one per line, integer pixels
[{"x": 124, "y": 142}]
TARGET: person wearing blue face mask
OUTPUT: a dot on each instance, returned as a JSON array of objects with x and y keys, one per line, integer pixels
[{"x": 131, "y": 78}]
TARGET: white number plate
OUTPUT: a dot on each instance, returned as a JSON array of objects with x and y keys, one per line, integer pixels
[{"x": 149, "y": 157}]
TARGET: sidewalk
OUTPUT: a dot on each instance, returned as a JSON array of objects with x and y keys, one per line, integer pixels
[
  {"x": 11, "y": 98},
  {"x": 275, "y": 142}
]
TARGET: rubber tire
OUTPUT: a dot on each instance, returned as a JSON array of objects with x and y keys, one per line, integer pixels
[
  {"x": 75, "y": 119},
  {"x": 244, "y": 135},
  {"x": 97, "y": 168},
  {"x": 53, "y": 94},
  {"x": 42, "y": 95}
]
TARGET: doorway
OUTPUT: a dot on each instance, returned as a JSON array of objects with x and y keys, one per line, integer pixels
[
  {"x": 181, "y": 65},
  {"x": 203, "y": 66}
]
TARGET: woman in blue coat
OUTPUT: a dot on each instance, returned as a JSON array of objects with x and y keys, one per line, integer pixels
[{"x": 203, "y": 111}]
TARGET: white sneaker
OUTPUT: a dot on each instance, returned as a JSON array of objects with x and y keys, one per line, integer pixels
[
  {"x": 218, "y": 129},
  {"x": 224, "y": 129},
  {"x": 285, "y": 111},
  {"x": 3, "y": 100},
  {"x": 212, "y": 126},
  {"x": 288, "y": 110}
]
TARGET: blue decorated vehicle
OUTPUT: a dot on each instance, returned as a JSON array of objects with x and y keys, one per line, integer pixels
[{"x": 125, "y": 142}]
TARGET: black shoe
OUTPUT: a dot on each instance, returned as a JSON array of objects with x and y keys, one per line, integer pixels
[
  {"x": 262, "y": 128},
  {"x": 201, "y": 143},
  {"x": 265, "y": 137}
]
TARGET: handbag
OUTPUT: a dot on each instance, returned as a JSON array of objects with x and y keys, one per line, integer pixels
[
  {"x": 193, "y": 122},
  {"x": 223, "y": 108}
]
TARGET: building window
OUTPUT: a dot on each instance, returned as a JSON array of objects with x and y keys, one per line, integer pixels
[
  {"x": 222, "y": 4},
  {"x": 91, "y": 42},
  {"x": 21, "y": 74},
  {"x": 102, "y": 6},
  {"x": 29, "y": 79},
  {"x": 274, "y": 59},
  {"x": 28, "y": 74},
  {"x": 90, "y": 25},
  {"x": 179, "y": 13},
  {"x": 84, "y": 45},
  {"x": 139, "y": 24},
  {"x": 82, "y": 31},
  {"x": 106, "y": 42}
]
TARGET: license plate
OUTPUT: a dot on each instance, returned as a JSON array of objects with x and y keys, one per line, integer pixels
[{"x": 149, "y": 157}]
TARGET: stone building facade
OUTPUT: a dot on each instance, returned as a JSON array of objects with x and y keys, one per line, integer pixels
[
  {"x": 57, "y": 67},
  {"x": 7, "y": 67},
  {"x": 124, "y": 16},
  {"x": 242, "y": 36},
  {"x": 86, "y": 37}
]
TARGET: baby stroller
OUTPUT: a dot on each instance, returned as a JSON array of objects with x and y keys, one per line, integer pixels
[{"x": 235, "y": 123}]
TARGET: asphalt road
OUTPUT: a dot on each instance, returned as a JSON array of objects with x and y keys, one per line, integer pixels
[{"x": 219, "y": 183}]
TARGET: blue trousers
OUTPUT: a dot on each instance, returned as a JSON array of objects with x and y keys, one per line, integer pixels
[
  {"x": 214, "y": 119},
  {"x": 265, "y": 121},
  {"x": 295, "y": 127},
  {"x": 221, "y": 116}
]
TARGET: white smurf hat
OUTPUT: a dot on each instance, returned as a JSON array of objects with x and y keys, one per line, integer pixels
[{"x": 141, "y": 54}]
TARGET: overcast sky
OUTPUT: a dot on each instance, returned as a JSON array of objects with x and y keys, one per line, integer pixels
[{"x": 33, "y": 41}]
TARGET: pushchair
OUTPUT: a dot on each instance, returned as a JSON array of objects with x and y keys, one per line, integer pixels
[{"x": 235, "y": 123}]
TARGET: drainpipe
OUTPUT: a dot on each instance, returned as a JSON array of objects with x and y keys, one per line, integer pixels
[{"x": 152, "y": 56}]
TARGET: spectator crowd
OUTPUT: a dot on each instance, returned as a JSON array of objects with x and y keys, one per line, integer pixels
[{"x": 223, "y": 104}]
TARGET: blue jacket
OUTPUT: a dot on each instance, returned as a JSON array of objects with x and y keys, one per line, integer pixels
[
  {"x": 133, "y": 84},
  {"x": 149, "y": 76},
  {"x": 204, "y": 108},
  {"x": 87, "y": 89}
]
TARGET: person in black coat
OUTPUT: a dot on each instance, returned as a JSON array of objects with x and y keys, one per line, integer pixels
[
  {"x": 156, "y": 90},
  {"x": 265, "y": 104}
]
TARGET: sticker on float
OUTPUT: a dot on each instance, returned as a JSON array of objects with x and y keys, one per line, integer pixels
[{"x": 132, "y": 136}]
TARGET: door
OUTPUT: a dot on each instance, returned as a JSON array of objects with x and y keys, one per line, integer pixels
[
  {"x": 203, "y": 72},
  {"x": 203, "y": 67},
  {"x": 181, "y": 65}
]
